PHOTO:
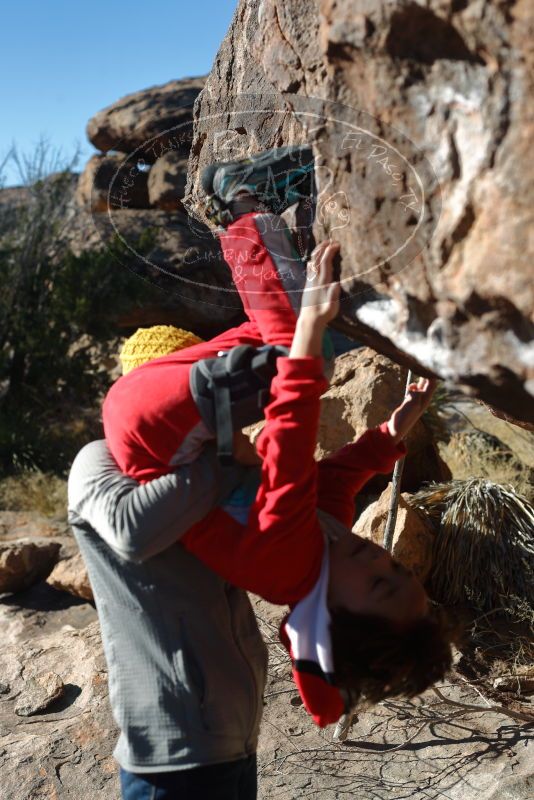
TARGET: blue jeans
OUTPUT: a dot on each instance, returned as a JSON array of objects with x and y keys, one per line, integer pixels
[{"x": 232, "y": 780}]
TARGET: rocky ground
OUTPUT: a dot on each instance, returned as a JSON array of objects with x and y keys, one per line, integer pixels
[{"x": 419, "y": 749}]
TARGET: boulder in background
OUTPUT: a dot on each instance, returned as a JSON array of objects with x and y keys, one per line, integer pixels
[
  {"x": 365, "y": 388},
  {"x": 138, "y": 118},
  {"x": 167, "y": 180}
]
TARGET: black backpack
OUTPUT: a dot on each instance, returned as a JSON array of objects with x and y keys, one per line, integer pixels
[{"x": 232, "y": 390}]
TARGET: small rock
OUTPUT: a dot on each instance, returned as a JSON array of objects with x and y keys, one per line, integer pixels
[
  {"x": 4, "y": 687},
  {"x": 70, "y": 575},
  {"x": 25, "y": 561},
  {"x": 413, "y": 538},
  {"x": 39, "y": 693}
]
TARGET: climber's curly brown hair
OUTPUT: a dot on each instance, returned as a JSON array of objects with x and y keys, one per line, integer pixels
[{"x": 375, "y": 659}]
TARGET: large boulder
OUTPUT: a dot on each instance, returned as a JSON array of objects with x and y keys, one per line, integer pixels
[
  {"x": 365, "y": 388},
  {"x": 413, "y": 536},
  {"x": 422, "y": 132},
  {"x": 152, "y": 120}
]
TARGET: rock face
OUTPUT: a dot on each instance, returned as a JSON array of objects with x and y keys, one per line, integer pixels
[
  {"x": 413, "y": 538},
  {"x": 133, "y": 121},
  {"x": 132, "y": 197},
  {"x": 422, "y": 136},
  {"x": 365, "y": 388},
  {"x": 167, "y": 180},
  {"x": 99, "y": 176},
  {"x": 25, "y": 561}
]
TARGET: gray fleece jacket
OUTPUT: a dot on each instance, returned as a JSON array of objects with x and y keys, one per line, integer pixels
[{"x": 186, "y": 661}]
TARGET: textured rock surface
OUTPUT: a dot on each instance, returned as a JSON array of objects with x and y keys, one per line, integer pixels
[
  {"x": 63, "y": 751},
  {"x": 162, "y": 244},
  {"x": 413, "y": 538},
  {"x": 173, "y": 253},
  {"x": 39, "y": 693},
  {"x": 25, "y": 561},
  {"x": 70, "y": 575},
  {"x": 133, "y": 121},
  {"x": 365, "y": 388},
  {"x": 477, "y": 756},
  {"x": 455, "y": 78},
  {"x": 166, "y": 181},
  {"x": 66, "y": 752},
  {"x": 101, "y": 178}
]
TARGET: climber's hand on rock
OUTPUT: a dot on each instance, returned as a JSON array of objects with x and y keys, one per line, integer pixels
[
  {"x": 320, "y": 302},
  {"x": 320, "y": 298},
  {"x": 412, "y": 407}
]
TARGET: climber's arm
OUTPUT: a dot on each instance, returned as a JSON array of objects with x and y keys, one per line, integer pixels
[
  {"x": 344, "y": 473},
  {"x": 140, "y": 520},
  {"x": 280, "y": 552}
]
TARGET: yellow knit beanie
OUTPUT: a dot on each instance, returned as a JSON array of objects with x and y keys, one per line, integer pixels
[{"x": 149, "y": 343}]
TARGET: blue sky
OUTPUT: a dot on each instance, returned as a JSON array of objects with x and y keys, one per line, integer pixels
[{"x": 61, "y": 62}]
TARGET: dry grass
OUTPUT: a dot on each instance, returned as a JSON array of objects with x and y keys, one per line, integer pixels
[
  {"x": 484, "y": 548},
  {"x": 34, "y": 491}
]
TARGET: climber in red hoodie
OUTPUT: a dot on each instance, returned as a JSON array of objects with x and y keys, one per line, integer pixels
[{"x": 360, "y": 624}]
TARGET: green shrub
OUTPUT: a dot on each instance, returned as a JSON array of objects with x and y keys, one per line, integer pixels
[{"x": 58, "y": 327}]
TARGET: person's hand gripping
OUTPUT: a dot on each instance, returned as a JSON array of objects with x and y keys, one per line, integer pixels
[
  {"x": 412, "y": 408},
  {"x": 320, "y": 302}
]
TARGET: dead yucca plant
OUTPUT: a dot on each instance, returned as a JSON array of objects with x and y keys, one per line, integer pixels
[{"x": 484, "y": 547}]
